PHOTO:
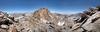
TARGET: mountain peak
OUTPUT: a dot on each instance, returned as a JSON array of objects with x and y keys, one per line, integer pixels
[
  {"x": 43, "y": 10},
  {"x": 41, "y": 13}
]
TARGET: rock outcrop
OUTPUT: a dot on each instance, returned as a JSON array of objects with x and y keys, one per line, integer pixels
[{"x": 5, "y": 21}]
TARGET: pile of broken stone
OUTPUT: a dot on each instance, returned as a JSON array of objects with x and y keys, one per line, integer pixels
[{"x": 5, "y": 21}]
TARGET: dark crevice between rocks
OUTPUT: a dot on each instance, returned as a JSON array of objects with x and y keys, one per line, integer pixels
[{"x": 95, "y": 19}]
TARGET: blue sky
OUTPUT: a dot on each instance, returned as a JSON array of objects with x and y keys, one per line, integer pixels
[{"x": 56, "y": 6}]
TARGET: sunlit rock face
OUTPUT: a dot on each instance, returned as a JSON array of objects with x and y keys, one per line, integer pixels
[{"x": 92, "y": 23}]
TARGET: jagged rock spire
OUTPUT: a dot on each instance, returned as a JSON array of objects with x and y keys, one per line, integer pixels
[{"x": 41, "y": 13}]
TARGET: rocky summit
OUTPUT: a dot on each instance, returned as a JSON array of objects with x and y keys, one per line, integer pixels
[{"x": 42, "y": 20}]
